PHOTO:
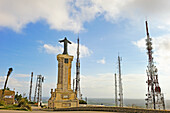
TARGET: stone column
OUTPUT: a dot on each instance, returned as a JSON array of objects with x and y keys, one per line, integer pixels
[{"x": 64, "y": 72}]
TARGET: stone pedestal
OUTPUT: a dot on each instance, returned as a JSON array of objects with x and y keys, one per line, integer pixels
[{"x": 63, "y": 96}]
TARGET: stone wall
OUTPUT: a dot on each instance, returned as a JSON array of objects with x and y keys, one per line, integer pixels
[{"x": 112, "y": 109}]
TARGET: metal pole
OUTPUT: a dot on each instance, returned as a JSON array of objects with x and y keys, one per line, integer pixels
[
  {"x": 42, "y": 80},
  {"x": 36, "y": 90},
  {"x": 9, "y": 72},
  {"x": 163, "y": 101},
  {"x": 40, "y": 90},
  {"x": 30, "y": 87},
  {"x": 116, "y": 91},
  {"x": 73, "y": 84}
]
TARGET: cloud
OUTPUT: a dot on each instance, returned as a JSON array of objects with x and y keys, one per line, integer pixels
[
  {"x": 58, "y": 14},
  {"x": 22, "y": 75},
  {"x": 141, "y": 44},
  {"x": 84, "y": 51},
  {"x": 102, "y": 61},
  {"x": 72, "y": 14},
  {"x": 52, "y": 49},
  {"x": 133, "y": 10}
]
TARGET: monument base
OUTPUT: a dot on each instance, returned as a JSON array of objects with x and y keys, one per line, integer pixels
[
  {"x": 63, "y": 96},
  {"x": 63, "y": 99}
]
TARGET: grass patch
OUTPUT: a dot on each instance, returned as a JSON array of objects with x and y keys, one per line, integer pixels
[
  {"x": 13, "y": 107},
  {"x": 22, "y": 105}
]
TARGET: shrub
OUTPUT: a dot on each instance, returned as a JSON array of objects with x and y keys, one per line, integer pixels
[
  {"x": 2, "y": 102},
  {"x": 31, "y": 102},
  {"x": 28, "y": 107},
  {"x": 18, "y": 97},
  {"x": 24, "y": 104},
  {"x": 82, "y": 102}
]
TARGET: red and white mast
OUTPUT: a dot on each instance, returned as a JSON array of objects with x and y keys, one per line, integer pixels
[{"x": 155, "y": 99}]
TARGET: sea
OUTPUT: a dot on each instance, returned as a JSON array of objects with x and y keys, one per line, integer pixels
[{"x": 111, "y": 102}]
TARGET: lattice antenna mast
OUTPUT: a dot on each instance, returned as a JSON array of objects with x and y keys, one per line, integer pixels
[
  {"x": 116, "y": 102},
  {"x": 40, "y": 80},
  {"x": 30, "y": 87},
  {"x": 39, "y": 88},
  {"x": 77, "y": 90},
  {"x": 155, "y": 99},
  {"x": 151, "y": 91},
  {"x": 120, "y": 85},
  {"x": 36, "y": 90}
]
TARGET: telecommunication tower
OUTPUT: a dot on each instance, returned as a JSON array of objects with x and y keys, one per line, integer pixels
[
  {"x": 116, "y": 90},
  {"x": 73, "y": 85},
  {"x": 35, "y": 95},
  {"x": 120, "y": 85},
  {"x": 155, "y": 99},
  {"x": 40, "y": 80},
  {"x": 77, "y": 89}
]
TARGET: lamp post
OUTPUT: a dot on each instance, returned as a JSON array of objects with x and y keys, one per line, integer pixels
[{"x": 9, "y": 72}]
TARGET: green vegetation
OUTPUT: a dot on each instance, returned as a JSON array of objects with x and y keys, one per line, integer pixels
[
  {"x": 7, "y": 88},
  {"x": 13, "y": 107},
  {"x": 18, "y": 97},
  {"x": 21, "y": 104},
  {"x": 31, "y": 102},
  {"x": 2, "y": 103},
  {"x": 82, "y": 102}
]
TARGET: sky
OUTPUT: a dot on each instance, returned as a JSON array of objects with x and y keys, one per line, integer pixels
[{"x": 30, "y": 31}]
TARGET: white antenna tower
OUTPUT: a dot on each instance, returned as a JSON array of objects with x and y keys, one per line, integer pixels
[
  {"x": 120, "y": 85},
  {"x": 77, "y": 90},
  {"x": 116, "y": 102}
]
